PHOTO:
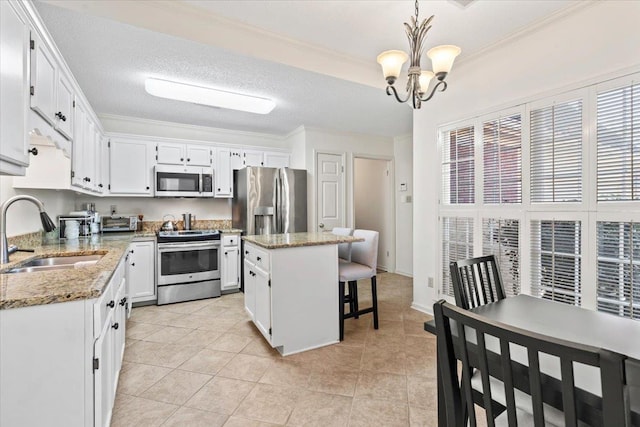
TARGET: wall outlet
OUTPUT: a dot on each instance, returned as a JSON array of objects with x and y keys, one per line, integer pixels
[
  {"x": 430, "y": 282},
  {"x": 114, "y": 209}
]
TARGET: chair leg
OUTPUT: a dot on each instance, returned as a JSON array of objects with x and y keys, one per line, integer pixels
[
  {"x": 374, "y": 296},
  {"x": 353, "y": 294},
  {"x": 341, "y": 308}
]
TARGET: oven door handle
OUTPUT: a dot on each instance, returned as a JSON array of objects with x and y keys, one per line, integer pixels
[{"x": 165, "y": 247}]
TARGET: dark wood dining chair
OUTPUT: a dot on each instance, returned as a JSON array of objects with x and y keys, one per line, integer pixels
[
  {"x": 463, "y": 337},
  {"x": 476, "y": 281}
]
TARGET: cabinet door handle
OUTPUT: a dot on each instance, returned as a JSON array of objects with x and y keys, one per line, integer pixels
[
  {"x": 182, "y": 159},
  {"x": 133, "y": 264},
  {"x": 33, "y": 151},
  {"x": 225, "y": 253},
  {"x": 115, "y": 325},
  {"x": 246, "y": 252},
  {"x": 123, "y": 301},
  {"x": 100, "y": 185},
  {"x": 258, "y": 258},
  {"x": 188, "y": 159},
  {"x": 111, "y": 304},
  {"x": 147, "y": 187}
]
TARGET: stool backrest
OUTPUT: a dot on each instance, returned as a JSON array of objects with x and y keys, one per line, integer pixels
[
  {"x": 344, "y": 249},
  {"x": 365, "y": 253}
]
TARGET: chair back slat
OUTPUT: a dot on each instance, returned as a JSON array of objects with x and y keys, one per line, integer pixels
[
  {"x": 507, "y": 379},
  {"x": 471, "y": 346},
  {"x": 476, "y": 281},
  {"x": 466, "y": 375},
  {"x": 535, "y": 386},
  {"x": 568, "y": 393},
  {"x": 484, "y": 374}
]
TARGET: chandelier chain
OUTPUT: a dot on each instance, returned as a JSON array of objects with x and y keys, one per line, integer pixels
[{"x": 416, "y": 10}]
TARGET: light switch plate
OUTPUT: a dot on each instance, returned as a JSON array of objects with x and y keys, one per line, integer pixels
[{"x": 403, "y": 186}]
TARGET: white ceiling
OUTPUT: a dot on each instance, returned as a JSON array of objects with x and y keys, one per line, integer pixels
[{"x": 316, "y": 59}]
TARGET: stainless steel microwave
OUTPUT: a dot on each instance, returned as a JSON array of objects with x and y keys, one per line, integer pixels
[{"x": 183, "y": 181}]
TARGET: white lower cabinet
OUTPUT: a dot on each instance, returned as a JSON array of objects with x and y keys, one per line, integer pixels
[
  {"x": 230, "y": 268},
  {"x": 141, "y": 271},
  {"x": 249, "y": 289},
  {"x": 59, "y": 363},
  {"x": 291, "y": 294}
]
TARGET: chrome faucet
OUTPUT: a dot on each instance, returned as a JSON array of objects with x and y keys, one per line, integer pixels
[{"x": 47, "y": 224}]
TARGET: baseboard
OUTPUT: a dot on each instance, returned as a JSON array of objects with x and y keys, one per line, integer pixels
[
  {"x": 404, "y": 273},
  {"x": 422, "y": 308}
]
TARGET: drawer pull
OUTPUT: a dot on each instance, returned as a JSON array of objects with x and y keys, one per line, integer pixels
[
  {"x": 123, "y": 301},
  {"x": 115, "y": 325},
  {"x": 111, "y": 304},
  {"x": 258, "y": 258}
]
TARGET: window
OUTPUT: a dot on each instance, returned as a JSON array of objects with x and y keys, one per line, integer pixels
[
  {"x": 500, "y": 237},
  {"x": 556, "y": 260},
  {"x": 457, "y": 243},
  {"x": 619, "y": 144},
  {"x": 556, "y": 153},
  {"x": 502, "y": 157},
  {"x": 618, "y": 283},
  {"x": 457, "y": 166}
]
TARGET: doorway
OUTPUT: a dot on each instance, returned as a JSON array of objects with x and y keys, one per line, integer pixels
[{"x": 373, "y": 204}]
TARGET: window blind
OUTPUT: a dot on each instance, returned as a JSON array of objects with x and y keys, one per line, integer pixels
[
  {"x": 556, "y": 153},
  {"x": 502, "y": 159},
  {"x": 555, "y": 260},
  {"x": 457, "y": 244},
  {"x": 618, "y": 124},
  {"x": 500, "y": 237},
  {"x": 457, "y": 166},
  {"x": 618, "y": 280}
]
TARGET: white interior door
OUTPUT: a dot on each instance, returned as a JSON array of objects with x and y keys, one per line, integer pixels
[{"x": 329, "y": 191}]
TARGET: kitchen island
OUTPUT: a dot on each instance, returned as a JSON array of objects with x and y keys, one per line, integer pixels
[{"x": 291, "y": 288}]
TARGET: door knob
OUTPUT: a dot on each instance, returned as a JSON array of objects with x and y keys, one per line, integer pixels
[{"x": 321, "y": 225}]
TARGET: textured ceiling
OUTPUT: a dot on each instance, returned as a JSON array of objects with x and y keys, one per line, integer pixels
[{"x": 111, "y": 59}]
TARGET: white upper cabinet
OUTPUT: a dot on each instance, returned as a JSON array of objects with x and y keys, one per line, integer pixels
[
  {"x": 98, "y": 162},
  {"x": 43, "y": 80},
  {"x": 236, "y": 159},
  {"x": 129, "y": 168},
  {"x": 276, "y": 160},
  {"x": 252, "y": 158},
  {"x": 88, "y": 154},
  {"x": 175, "y": 153},
  {"x": 14, "y": 89},
  {"x": 223, "y": 173},
  {"x": 77, "y": 153},
  {"x": 169, "y": 153},
  {"x": 199, "y": 155},
  {"x": 64, "y": 110}
]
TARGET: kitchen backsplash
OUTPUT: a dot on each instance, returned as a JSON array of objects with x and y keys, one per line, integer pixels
[{"x": 198, "y": 224}]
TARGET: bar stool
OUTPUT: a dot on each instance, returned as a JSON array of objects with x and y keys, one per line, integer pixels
[{"x": 364, "y": 260}]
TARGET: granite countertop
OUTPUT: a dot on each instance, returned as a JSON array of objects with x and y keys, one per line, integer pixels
[
  {"x": 54, "y": 286},
  {"x": 293, "y": 240}
]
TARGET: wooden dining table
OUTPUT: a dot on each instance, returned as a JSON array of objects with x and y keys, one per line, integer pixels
[{"x": 571, "y": 323}]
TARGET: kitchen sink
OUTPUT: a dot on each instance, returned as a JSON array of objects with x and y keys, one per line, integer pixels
[{"x": 57, "y": 263}]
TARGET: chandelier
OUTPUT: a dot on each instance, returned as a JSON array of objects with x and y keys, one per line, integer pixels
[{"x": 442, "y": 58}]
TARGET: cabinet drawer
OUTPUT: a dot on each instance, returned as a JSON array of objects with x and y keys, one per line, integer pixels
[
  {"x": 230, "y": 240},
  {"x": 257, "y": 256}
]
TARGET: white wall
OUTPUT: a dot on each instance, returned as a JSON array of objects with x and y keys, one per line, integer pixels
[
  {"x": 296, "y": 142},
  {"x": 23, "y": 217},
  {"x": 592, "y": 43},
  {"x": 373, "y": 205},
  {"x": 403, "y": 155}
]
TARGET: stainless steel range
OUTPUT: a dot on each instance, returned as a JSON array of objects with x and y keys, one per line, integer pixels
[{"x": 188, "y": 265}]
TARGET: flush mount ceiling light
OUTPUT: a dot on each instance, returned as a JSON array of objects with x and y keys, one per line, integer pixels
[
  {"x": 207, "y": 96},
  {"x": 442, "y": 58}
]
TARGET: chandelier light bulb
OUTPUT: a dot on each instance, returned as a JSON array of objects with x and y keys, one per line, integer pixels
[
  {"x": 442, "y": 58},
  {"x": 391, "y": 62},
  {"x": 424, "y": 80}
]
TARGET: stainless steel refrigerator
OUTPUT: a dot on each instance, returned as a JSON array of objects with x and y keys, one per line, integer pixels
[{"x": 269, "y": 201}]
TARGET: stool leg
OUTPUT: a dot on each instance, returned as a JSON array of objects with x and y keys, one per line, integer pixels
[
  {"x": 374, "y": 296},
  {"x": 341, "y": 308},
  {"x": 353, "y": 293}
]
